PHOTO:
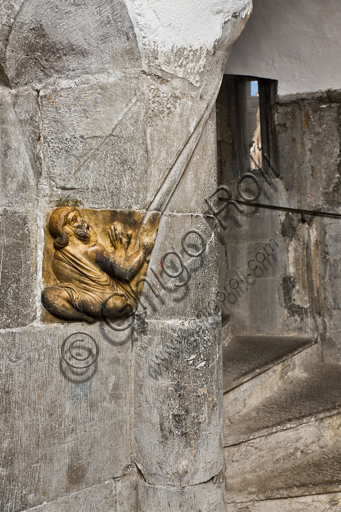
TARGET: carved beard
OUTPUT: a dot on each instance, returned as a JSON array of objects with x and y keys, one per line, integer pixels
[{"x": 83, "y": 233}]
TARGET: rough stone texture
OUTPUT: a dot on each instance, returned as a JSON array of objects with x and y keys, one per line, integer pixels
[
  {"x": 300, "y": 461},
  {"x": 322, "y": 503},
  {"x": 331, "y": 292},
  {"x": 298, "y": 398},
  {"x": 41, "y": 44},
  {"x": 98, "y": 99},
  {"x": 298, "y": 295},
  {"x": 293, "y": 451},
  {"x": 61, "y": 432},
  {"x": 245, "y": 358},
  {"x": 276, "y": 296},
  {"x": 20, "y": 165},
  {"x": 178, "y": 394},
  {"x": 206, "y": 497},
  {"x": 264, "y": 386},
  {"x": 94, "y": 143},
  {"x": 200, "y": 178},
  {"x": 184, "y": 296},
  {"x": 17, "y": 269},
  {"x": 112, "y": 496},
  {"x": 309, "y": 135},
  {"x": 249, "y": 299}
]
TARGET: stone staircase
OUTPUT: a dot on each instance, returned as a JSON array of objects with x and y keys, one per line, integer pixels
[{"x": 282, "y": 426}]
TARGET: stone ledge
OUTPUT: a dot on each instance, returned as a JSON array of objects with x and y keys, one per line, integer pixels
[{"x": 246, "y": 357}]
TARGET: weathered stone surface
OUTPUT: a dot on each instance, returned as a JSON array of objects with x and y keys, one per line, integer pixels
[
  {"x": 178, "y": 393},
  {"x": 253, "y": 278},
  {"x": 295, "y": 462},
  {"x": 169, "y": 99},
  {"x": 246, "y": 358},
  {"x": 62, "y": 430},
  {"x": 321, "y": 503},
  {"x": 70, "y": 41},
  {"x": 183, "y": 297},
  {"x": 249, "y": 394},
  {"x": 98, "y": 159},
  {"x": 19, "y": 161},
  {"x": 206, "y": 497},
  {"x": 299, "y": 397},
  {"x": 308, "y": 144},
  {"x": 200, "y": 178},
  {"x": 17, "y": 269},
  {"x": 332, "y": 291},
  {"x": 303, "y": 456},
  {"x": 112, "y": 496},
  {"x": 101, "y": 105},
  {"x": 308, "y": 134}
]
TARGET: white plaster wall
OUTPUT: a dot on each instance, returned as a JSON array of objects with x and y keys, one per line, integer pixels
[
  {"x": 297, "y": 42},
  {"x": 178, "y": 23}
]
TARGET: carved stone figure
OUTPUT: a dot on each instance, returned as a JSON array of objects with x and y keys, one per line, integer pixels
[{"x": 94, "y": 282}]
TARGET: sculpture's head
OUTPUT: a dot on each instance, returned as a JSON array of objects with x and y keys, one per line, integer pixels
[{"x": 65, "y": 222}]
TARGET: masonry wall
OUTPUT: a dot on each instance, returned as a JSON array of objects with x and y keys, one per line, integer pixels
[
  {"x": 274, "y": 407},
  {"x": 293, "y": 287},
  {"x": 99, "y": 101}
]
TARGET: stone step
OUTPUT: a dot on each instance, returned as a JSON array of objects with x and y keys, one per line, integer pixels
[
  {"x": 246, "y": 357},
  {"x": 253, "y": 392},
  {"x": 321, "y": 503},
  {"x": 301, "y": 396},
  {"x": 300, "y": 461}
]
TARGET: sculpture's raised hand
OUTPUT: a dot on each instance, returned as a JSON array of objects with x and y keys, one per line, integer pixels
[{"x": 119, "y": 238}]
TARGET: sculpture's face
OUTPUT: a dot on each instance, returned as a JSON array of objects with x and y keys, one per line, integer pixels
[{"x": 79, "y": 226}]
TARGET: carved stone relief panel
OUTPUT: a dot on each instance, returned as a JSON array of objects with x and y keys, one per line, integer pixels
[{"x": 95, "y": 262}]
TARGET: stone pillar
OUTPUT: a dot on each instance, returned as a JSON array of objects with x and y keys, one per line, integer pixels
[{"x": 99, "y": 101}]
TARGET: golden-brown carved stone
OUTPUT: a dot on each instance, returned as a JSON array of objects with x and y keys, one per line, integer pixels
[{"x": 94, "y": 262}]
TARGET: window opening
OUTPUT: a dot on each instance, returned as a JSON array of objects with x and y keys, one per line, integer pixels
[{"x": 246, "y": 127}]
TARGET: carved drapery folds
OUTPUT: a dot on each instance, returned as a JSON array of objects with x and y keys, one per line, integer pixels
[{"x": 94, "y": 262}]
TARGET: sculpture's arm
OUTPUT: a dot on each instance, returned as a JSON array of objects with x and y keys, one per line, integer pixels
[
  {"x": 116, "y": 263},
  {"x": 116, "y": 266}
]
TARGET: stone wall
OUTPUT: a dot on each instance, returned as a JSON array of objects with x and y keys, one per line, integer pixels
[
  {"x": 98, "y": 101},
  {"x": 281, "y": 405},
  {"x": 292, "y": 291},
  {"x": 309, "y": 147}
]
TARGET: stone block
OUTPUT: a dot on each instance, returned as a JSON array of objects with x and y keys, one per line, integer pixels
[
  {"x": 66, "y": 413},
  {"x": 178, "y": 400},
  {"x": 331, "y": 290},
  {"x": 69, "y": 40},
  {"x": 194, "y": 289},
  {"x": 295, "y": 462},
  {"x": 254, "y": 223},
  {"x": 308, "y": 142},
  {"x": 112, "y": 496},
  {"x": 246, "y": 358},
  {"x": 173, "y": 109},
  {"x": 268, "y": 288},
  {"x": 94, "y": 146},
  {"x": 321, "y": 503},
  {"x": 200, "y": 178},
  {"x": 252, "y": 280},
  {"x": 205, "y": 497},
  {"x": 99, "y": 498},
  {"x": 17, "y": 269},
  {"x": 19, "y": 165},
  {"x": 241, "y": 401}
]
